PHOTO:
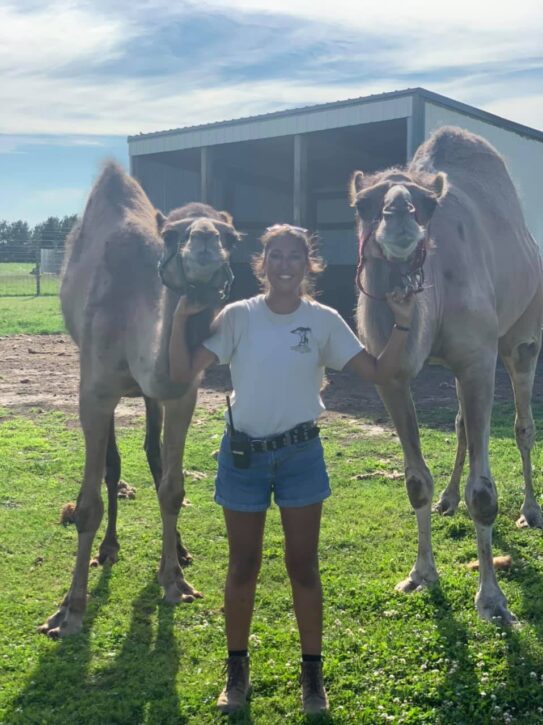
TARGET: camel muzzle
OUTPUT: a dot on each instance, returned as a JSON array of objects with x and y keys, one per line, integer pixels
[{"x": 213, "y": 292}]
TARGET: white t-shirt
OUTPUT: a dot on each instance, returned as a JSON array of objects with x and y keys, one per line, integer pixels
[{"x": 277, "y": 361}]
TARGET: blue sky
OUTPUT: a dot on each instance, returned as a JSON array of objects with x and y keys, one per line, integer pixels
[{"x": 78, "y": 76}]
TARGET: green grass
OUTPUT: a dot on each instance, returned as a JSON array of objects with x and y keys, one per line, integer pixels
[
  {"x": 30, "y": 315},
  {"x": 16, "y": 279},
  {"x": 424, "y": 658}
]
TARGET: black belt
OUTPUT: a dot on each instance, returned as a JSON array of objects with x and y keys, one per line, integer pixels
[{"x": 299, "y": 434}]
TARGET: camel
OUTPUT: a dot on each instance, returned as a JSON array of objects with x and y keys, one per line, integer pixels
[
  {"x": 119, "y": 311},
  {"x": 450, "y": 228}
]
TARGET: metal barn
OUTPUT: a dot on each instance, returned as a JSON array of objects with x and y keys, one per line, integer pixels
[{"x": 294, "y": 166}]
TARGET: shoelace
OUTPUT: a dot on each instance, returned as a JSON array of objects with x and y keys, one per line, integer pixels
[
  {"x": 312, "y": 678},
  {"x": 234, "y": 669}
]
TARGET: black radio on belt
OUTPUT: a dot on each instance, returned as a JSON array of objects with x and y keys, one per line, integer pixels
[{"x": 240, "y": 443}]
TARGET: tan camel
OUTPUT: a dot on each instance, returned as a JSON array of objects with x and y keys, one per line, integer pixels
[
  {"x": 119, "y": 313},
  {"x": 481, "y": 296}
]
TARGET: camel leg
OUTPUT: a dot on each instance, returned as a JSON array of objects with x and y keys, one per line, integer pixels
[
  {"x": 178, "y": 414},
  {"x": 521, "y": 366},
  {"x": 109, "y": 548},
  {"x": 418, "y": 479},
  {"x": 96, "y": 423},
  {"x": 476, "y": 384},
  {"x": 153, "y": 450},
  {"x": 450, "y": 497}
]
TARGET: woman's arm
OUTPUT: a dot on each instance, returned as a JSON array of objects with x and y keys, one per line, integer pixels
[
  {"x": 185, "y": 365},
  {"x": 380, "y": 369}
]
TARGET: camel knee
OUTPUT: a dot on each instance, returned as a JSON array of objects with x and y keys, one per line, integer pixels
[
  {"x": 171, "y": 494},
  {"x": 303, "y": 572},
  {"x": 88, "y": 514},
  {"x": 244, "y": 571},
  {"x": 482, "y": 500},
  {"x": 420, "y": 490},
  {"x": 525, "y": 433}
]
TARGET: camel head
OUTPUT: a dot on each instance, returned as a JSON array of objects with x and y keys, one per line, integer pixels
[
  {"x": 394, "y": 211},
  {"x": 197, "y": 250}
]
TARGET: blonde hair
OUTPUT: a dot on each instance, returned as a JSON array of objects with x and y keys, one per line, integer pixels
[{"x": 308, "y": 241}]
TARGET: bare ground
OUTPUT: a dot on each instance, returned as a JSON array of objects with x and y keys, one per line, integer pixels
[{"x": 40, "y": 373}]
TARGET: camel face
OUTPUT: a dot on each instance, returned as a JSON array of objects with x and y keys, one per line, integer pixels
[
  {"x": 204, "y": 252},
  {"x": 397, "y": 209},
  {"x": 398, "y": 231},
  {"x": 202, "y": 247}
]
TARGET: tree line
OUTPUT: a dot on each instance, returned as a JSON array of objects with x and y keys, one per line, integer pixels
[{"x": 19, "y": 241}]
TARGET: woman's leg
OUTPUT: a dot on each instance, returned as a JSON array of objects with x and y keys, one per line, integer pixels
[
  {"x": 302, "y": 527},
  {"x": 245, "y": 533}
]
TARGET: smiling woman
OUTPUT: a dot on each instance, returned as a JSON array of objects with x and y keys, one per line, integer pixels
[{"x": 277, "y": 345}]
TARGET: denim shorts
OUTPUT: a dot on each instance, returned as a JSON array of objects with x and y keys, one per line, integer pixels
[{"x": 296, "y": 474}]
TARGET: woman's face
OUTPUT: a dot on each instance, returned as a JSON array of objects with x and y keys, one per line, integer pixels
[{"x": 285, "y": 264}]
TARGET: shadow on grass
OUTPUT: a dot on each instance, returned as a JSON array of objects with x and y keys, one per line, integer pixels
[
  {"x": 138, "y": 686},
  {"x": 516, "y": 695},
  {"x": 62, "y": 671},
  {"x": 459, "y": 691}
]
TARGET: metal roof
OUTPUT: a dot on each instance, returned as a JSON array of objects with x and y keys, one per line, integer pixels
[{"x": 393, "y": 104}]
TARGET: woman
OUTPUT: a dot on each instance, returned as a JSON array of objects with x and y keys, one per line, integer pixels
[{"x": 277, "y": 345}]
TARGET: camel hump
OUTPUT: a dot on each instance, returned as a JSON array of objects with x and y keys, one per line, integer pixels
[
  {"x": 453, "y": 149},
  {"x": 116, "y": 189},
  {"x": 116, "y": 201}
]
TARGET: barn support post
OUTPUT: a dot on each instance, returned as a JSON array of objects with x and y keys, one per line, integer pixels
[
  {"x": 206, "y": 174},
  {"x": 415, "y": 127},
  {"x": 299, "y": 197}
]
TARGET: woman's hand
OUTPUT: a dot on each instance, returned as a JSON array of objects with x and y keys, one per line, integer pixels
[
  {"x": 185, "y": 308},
  {"x": 402, "y": 306}
]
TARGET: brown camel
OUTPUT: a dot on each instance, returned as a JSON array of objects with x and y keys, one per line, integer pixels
[
  {"x": 481, "y": 295},
  {"x": 119, "y": 313}
]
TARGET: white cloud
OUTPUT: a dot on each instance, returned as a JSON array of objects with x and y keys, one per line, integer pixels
[
  {"x": 47, "y": 39},
  {"x": 395, "y": 15},
  {"x": 43, "y": 92},
  {"x": 16, "y": 144}
]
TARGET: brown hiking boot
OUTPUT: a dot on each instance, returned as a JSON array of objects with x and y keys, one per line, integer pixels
[
  {"x": 238, "y": 687},
  {"x": 314, "y": 697}
]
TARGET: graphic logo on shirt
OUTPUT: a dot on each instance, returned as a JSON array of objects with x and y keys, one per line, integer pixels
[{"x": 303, "y": 339}]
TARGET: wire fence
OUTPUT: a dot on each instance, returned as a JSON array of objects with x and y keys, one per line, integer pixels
[{"x": 29, "y": 268}]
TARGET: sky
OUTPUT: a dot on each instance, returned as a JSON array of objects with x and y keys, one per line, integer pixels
[{"x": 78, "y": 76}]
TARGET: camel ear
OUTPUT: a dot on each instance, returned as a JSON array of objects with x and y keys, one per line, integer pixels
[
  {"x": 228, "y": 218},
  {"x": 355, "y": 186},
  {"x": 440, "y": 185},
  {"x": 160, "y": 220}
]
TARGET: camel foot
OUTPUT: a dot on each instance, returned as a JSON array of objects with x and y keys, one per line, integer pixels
[
  {"x": 447, "y": 505},
  {"x": 63, "y": 623},
  {"x": 530, "y": 518},
  {"x": 415, "y": 584},
  {"x": 496, "y": 611},
  {"x": 107, "y": 554},
  {"x": 181, "y": 591}
]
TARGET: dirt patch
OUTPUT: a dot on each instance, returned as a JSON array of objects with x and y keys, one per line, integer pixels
[{"x": 41, "y": 373}]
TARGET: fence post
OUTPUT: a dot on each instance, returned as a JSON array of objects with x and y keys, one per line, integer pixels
[{"x": 38, "y": 263}]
